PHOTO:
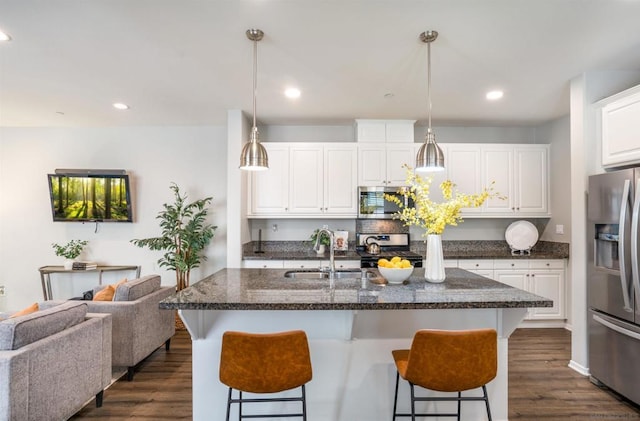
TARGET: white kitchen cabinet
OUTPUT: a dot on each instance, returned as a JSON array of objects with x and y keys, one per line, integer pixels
[
  {"x": 463, "y": 167},
  {"x": 382, "y": 164},
  {"x": 262, "y": 264},
  {"x": 392, "y": 131},
  {"x": 306, "y": 180},
  {"x": 519, "y": 172},
  {"x": 547, "y": 280},
  {"x": 340, "y": 179},
  {"x": 619, "y": 129},
  {"x": 315, "y": 264},
  {"x": 344, "y": 264},
  {"x": 542, "y": 277},
  {"x": 482, "y": 267},
  {"x": 269, "y": 192},
  {"x": 302, "y": 264}
]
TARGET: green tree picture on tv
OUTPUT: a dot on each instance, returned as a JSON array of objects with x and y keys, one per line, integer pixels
[{"x": 82, "y": 198}]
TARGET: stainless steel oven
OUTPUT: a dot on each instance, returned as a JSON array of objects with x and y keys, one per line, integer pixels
[
  {"x": 372, "y": 203},
  {"x": 390, "y": 245}
]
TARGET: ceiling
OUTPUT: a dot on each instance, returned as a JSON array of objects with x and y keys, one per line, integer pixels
[{"x": 186, "y": 62}]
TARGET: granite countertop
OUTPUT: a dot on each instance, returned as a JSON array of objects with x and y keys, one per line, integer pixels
[
  {"x": 268, "y": 289},
  {"x": 301, "y": 250}
]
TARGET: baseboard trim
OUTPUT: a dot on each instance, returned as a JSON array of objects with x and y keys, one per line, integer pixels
[{"x": 579, "y": 368}]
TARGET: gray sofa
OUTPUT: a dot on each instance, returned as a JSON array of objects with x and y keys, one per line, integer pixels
[
  {"x": 53, "y": 361},
  {"x": 139, "y": 325}
]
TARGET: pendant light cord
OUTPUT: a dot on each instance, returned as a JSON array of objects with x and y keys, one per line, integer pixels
[
  {"x": 255, "y": 78},
  {"x": 429, "y": 82}
]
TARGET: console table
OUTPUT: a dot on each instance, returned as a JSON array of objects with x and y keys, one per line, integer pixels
[{"x": 46, "y": 271}]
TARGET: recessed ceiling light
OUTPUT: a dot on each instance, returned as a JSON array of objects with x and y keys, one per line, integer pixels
[
  {"x": 4, "y": 36},
  {"x": 120, "y": 106},
  {"x": 292, "y": 93},
  {"x": 493, "y": 95}
]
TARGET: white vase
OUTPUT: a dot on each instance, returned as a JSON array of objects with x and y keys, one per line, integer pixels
[
  {"x": 68, "y": 264},
  {"x": 434, "y": 268},
  {"x": 320, "y": 249}
]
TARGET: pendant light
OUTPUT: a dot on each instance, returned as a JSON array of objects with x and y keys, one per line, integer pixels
[
  {"x": 254, "y": 155},
  {"x": 430, "y": 156}
]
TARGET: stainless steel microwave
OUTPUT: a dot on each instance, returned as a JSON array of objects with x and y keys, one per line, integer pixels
[{"x": 373, "y": 205}]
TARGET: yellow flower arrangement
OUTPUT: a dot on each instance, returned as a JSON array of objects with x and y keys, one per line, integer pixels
[{"x": 432, "y": 216}]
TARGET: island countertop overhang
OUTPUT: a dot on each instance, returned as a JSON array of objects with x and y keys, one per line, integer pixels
[{"x": 268, "y": 289}]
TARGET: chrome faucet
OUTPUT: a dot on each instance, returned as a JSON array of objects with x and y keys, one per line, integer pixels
[{"x": 332, "y": 263}]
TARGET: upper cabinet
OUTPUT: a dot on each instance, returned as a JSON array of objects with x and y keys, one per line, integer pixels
[
  {"x": 462, "y": 164},
  {"x": 320, "y": 180},
  {"x": 619, "y": 129},
  {"x": 384, "y": 146},
  {"x": 382, "y": 164},
  {"x": 395, "y": 131},
  {"x": 519, "y": 172},
  {"x": 306, "y": 180}
]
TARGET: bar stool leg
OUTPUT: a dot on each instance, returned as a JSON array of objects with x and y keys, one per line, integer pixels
[
  {"x": 486, "y": 401},
  {"x": 459, "y": 404},
  {"x": 304, "y": 404},
  {"x": 240, "y": 407},
  {"x": 228, "y": 405},
  {"x": 395, "y": 397},
  {"x": 413, "y": 403}
]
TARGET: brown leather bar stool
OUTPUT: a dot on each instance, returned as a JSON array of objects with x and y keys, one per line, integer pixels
[
  {"x": 447, "y": 361},
  {"x": 265, "y": 363}
]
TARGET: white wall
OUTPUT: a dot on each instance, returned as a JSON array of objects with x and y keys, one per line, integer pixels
[
  {"x": 557, "y": 134},
  {"x": 193, "y": 157}
]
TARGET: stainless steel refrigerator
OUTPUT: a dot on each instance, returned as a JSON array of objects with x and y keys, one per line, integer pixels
[{"x": 613, "y": 284}]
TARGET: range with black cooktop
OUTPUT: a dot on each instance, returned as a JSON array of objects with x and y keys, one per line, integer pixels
[{"x": 388, "y": 245}]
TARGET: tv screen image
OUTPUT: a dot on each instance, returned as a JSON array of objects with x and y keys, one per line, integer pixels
[{"x": 93, "y": 197}]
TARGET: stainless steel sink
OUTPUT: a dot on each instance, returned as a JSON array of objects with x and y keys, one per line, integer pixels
[{"x": 318, "y": 274}]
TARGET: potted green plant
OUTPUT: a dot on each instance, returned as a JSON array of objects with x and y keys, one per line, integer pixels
[
  {"x": 69, "y": 251},
  {"x": 325, "y": 240},
  {"x": 185, "y": 234}
]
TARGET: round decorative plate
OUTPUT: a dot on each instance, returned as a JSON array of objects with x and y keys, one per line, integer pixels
[{"x": 521, "y": 235}]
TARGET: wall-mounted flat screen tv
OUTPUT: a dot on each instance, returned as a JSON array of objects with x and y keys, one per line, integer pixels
[{"x": 90, "y": 196}]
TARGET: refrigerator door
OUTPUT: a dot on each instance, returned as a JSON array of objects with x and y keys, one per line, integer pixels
[
  {"x": 609, "y": 287},
  {"x": 635, "y": 243},
  {"x": 614, "y": 347}
]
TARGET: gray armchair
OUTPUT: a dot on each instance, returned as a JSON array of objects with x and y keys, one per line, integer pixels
[
  {"x": 139, "y": 325},
  {"x": 53, "y": 361}
]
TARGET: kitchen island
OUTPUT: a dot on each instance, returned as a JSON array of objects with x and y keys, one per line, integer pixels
[{"x": 353, "y": 324}]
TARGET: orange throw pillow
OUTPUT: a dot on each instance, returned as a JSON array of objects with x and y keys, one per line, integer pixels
[
  {"x": 31, "y": 309},
  {"x": 105, "y": 294},
  {"x": 108, "y": 293}
]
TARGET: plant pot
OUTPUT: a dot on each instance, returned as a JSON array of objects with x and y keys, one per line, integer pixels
[
  {"x": 321, "y": 249},
  {"x": 68, "y": 264}
]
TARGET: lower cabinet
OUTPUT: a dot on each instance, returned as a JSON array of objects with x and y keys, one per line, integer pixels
[
  {"x": 540, "y": 277},
  {"x": 482, "y": 267},
  {"x": 262, "y": 264},
  {"x": 298, "y": 264}
]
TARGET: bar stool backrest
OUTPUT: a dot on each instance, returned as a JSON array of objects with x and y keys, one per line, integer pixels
[
  {"x": 265, "y": 363},
  {"x": 451, "y": 361}
]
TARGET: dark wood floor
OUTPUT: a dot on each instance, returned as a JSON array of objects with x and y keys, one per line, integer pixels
[{"x": 541, "y": 386}]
